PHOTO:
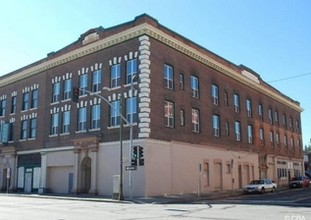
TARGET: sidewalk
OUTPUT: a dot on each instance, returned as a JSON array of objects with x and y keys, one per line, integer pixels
[{"x": 169, "y": 199}]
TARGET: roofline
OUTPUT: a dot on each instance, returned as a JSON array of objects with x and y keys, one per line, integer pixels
[{"x": 146, "y": 25}]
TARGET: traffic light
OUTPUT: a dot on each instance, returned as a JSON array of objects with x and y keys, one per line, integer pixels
[
  {"x": 141, "y": 156},
  {"x": 75, "y": 94},
  {"x": 134, "y": 162},
  {"x": 135, "y": 153}
]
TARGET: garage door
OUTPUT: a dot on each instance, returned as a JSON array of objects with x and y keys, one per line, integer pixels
[{"x": 59, "y": 179}]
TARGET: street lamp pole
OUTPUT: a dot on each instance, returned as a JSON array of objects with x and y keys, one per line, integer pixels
[{"x": 122, "y": 120}]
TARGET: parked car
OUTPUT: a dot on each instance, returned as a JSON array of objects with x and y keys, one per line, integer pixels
[
  {"x": 299, "y": 182},
  {"x": 260, "y": 186}
]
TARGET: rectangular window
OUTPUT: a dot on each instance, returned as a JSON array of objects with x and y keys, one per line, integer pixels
[
  {"x": 131, "y": 110},
  {"x": 182, "y": 117},
  {"x": 131, "y": 70},
  {"x": 262, "y": 135},
  {"x": 2, "y": 107},
  {"x": 206, "y": 171},
  {"x": 215, "y": 94},
  {"x": 260, "y": 111},
  {"x": 195, "y": 120},
  {"x": 292, "y": 144},
  {"x": 285, "y": 140},
  {"x": 277, "y": 138},
  {"x": 169, "y": 114},
  {"x": 271, "y": 137},
  {"x": 227, "y": 127},
  {"x": 226, "y": 99},
  {"x": 168, "y": 77},
  {"x": 250, "y": 134},
  {"x": 115, "y": 75},
  {"x": 24, "y": 129},
  {"x": 65, "y": 122},
  {"x": 181, "y": 81},
  {"x": 195, "y": 86},
  {"x": 96, "y": 80},
  {"x": 276, "y": 118},
  {"x": 83, "y": 81},
  {"x": 67, "y": 89},
  {"x": 34, "y": 98},
  {"x": 33, "y": 128},
  {"x": 54, "y": 124},
  {"x": 284, "y": 123},
  {"x": 114, "y": 113},
  {"x": 249, "y": 107},
  {"x": 270, "y": 116},
  {"x": 13, "y": 105},
  {"x": 95, "y": 117},
  {"x": 82, "y": 119},
  {"x": 56, "y": 92},
  {"x": 236, "y": 103},
  {"x": 25, "y": 101},
  {"x": 216, "y": 126},
  {"x": 237, "y": 130}
]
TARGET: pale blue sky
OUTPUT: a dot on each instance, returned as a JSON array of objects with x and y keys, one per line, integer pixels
[{"x": 272, "y": 37}]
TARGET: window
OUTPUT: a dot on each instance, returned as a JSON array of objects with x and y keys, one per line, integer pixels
[
  {"x": 96, "y": 80},
  {"x": 65, "y": 122},
  {"x": 169, "y": 114},
  {"x": 195, "y": 86},
  {"x": 250, "y": 134},
  {"x": 168, "y": 77},
  {"x": 54, "y": 124},
  {"x": 195, "y": 120},
  {"x": 228, "y": 168},
  {"x": 13, "y": 105},
  {"x": 11, "y": 131},
  {"x": 67, "y": 89},
  {"x": 226, "y": 98},
  {"x": 276, "y": 118},
  {"x": 249, "y": 107},
  {"x": 236, "y": 103},
  {"x": 95, "y": 117},
  {"x": 131, "y": 70},
  {"x": 260, "y": 111},
  {"x": 131, "y": 110},
  {"x": 82, "y": 119},
  {"x": 277, "y": 138},
  {"x": 114, "y": 113},
  {"x": 182, "y": 117},
  {"x": 216, "y": 126},
  {"x": 33, "y": 128},
  {"x": 271, "y": 137},
  {"x": 285, "y": 140},
  {"x": 297, "y": 125},
  {"x": 181, "y": 81},
  {"x": 2, "y": 107},
  {"x": 25, "y": 105},
  {"x": 292, "y": 143},
  {"x": 291, "y": 124},
  {"x": 56, "y": 92},
  {"x": 227, "y": 127},
  {"x": 115, "y": 75},
  {"x": 284, "y": 123},
  {"x": 83, "y": 80},
  {"x": 270, "y": 116},
  {"x": 237, "y": 129},
  {"x": 206, "y": 171},
  {"x": 34, "y": 98},
  {"x": 24, "y": 129},
  {"x": 262, "y": 135},
  {"x": 215, "y": 94}
]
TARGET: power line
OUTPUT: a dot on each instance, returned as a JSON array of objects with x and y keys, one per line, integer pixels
[{"x": 290, "y": 77}]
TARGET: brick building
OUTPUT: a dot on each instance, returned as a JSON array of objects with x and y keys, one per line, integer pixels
[{"x": 205, "y": 124}]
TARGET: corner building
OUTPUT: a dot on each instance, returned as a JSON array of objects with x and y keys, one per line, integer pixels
[{"x": 205, "y": 124}]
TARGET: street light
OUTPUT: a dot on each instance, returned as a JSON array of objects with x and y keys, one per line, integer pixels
[{"x": 120, "y": 196}]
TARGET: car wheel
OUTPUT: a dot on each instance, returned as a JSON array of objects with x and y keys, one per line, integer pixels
[{"x": 263, "y": 190}]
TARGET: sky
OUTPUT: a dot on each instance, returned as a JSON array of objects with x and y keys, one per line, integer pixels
[{"x": 272, "y": 37}]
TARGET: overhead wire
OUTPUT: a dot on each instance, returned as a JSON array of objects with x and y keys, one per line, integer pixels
[{"x": 290, "y": 77}]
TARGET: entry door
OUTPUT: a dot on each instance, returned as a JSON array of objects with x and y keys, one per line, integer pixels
[{"x": 28, "y": 182}]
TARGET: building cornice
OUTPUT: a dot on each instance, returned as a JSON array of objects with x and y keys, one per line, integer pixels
[{"x": 159, "y": 35}]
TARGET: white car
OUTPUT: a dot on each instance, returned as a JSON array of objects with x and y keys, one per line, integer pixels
[{"x": 260, "y": 186}]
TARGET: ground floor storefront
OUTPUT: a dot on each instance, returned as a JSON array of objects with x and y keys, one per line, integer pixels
[{"x": 93, "y": 167}]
